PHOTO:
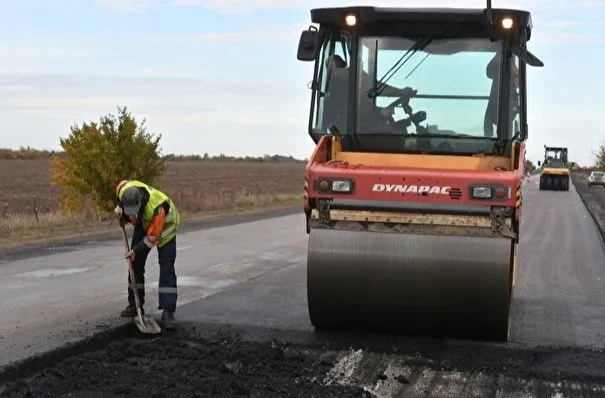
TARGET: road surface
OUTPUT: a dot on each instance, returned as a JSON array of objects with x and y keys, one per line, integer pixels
[
  {"x": 251, "y": 278},
  {"x": 47, "y": 301}
]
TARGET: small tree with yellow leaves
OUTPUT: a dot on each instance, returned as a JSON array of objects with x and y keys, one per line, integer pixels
[{"x": 98, "y": 155}]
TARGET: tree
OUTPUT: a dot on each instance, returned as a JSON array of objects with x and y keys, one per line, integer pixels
[
  {"x": 529, "y": 166},
  {"x": 99, "y": 155},
  {"x": 600, "y": 157}
]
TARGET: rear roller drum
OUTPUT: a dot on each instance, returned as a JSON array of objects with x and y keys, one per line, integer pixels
[{"x": 410, "y": 284}]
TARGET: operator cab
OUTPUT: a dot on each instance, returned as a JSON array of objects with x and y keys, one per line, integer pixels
[
  {"x": 416, "y": 80},
  {"x": 555, "y": 157}
]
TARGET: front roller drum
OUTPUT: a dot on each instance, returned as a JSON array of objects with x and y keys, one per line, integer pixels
[{"x": 410, "y": 284}]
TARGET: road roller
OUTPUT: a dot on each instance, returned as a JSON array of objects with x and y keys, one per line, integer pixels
[
  {"x": 554, "y": 174},
  {"x": 412, "y": 195}
]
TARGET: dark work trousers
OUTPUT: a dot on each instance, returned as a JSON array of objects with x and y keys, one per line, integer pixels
[{"x": 167, "y": 286}]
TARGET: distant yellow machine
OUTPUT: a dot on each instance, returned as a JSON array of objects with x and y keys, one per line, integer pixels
[{"x": 555, "y": 170}]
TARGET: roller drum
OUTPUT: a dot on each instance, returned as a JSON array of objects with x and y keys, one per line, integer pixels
[{"x": 411, "y": 284}]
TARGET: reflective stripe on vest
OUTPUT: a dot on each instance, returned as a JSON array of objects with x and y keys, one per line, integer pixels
[{"x": 156, "y": 198}]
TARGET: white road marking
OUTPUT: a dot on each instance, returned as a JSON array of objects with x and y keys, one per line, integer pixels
[
  {"x": 50, "y": 273},
  {"x": 193, "y": 281}
]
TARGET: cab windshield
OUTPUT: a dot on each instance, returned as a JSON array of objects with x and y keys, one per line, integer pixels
[
  {"x": 430, "y": 95},
  {"x": 555, "y": 158}
]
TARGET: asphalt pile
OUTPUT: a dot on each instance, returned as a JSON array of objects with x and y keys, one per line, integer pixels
[
  {"x": 163, "y": 367},
  {"x": 226, "y": 365}
]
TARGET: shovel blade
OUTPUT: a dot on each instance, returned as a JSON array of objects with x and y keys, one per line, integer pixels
[{"x": 147, "y": 325}]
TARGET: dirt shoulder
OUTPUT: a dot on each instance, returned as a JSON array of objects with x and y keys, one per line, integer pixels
[{"x": 593, "y": 198}]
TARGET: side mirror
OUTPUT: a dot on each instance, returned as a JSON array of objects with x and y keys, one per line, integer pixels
[
  {"x": 308, "y": 45},
  {"x": 527, "y": 57}
]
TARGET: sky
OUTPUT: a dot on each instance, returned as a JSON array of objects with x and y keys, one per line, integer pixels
[{"x": 221, "y": 76}]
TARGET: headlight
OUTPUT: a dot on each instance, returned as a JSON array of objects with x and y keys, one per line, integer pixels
[
  {"x": 489, "y": 191},
  {"x": 326, "y": 185},
  {"x": 341, "y": 186},
  {"x": 351, "y": 20},
  {"x": 507, "y": 23},
  {"x": 481, "y": 192}
]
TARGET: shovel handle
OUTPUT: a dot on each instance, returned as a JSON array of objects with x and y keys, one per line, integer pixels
[
  {"x": 125, "y": 236},
  {"x": 145, "y": 324},
  {"x": 133, "y": 283}
]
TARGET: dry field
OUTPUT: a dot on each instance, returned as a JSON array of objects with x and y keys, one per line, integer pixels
[{"x": 200, "y": 189}]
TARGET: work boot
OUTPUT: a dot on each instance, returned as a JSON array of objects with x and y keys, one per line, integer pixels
[
  {"x": 168, "y": 319},
  {"x": 130, "y": 311}
]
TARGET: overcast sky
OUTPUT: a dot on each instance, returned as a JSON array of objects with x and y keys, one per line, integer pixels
[{"x": 221, "y": 76}]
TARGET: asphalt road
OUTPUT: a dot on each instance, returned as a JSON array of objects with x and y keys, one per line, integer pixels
[
  {"x": 48, "y": 301},
  {"x": 560, "y": 292},
  {"x": 251, "y": 278},
  {"x": 593, "y": 197}
]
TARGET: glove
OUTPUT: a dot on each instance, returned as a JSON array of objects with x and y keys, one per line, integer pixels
[
  {"x": 123, "y": 220},
  {"x": 408, "y": 92}
]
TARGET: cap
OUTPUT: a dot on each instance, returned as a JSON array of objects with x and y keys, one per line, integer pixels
[{"x": 132, "y": 200}]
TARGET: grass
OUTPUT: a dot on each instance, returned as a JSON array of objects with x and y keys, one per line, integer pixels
[{"x": 200, "y": 189}]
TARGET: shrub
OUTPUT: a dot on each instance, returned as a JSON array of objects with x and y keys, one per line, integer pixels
[{"x": 98, "y": 155}]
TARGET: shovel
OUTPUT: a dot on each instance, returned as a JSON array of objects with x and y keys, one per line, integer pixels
[{"x": 144, "y": 323}]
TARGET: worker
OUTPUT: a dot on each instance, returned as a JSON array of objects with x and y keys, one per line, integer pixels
[
  {"x": 340, "y": 70},
  {"x": 335, "y": 110},
  {"x": 156, "y": 221},
  {"x": 491, "y": 112},
  {"x": 335, "y": 106}
]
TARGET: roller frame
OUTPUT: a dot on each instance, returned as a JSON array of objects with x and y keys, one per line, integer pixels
[
  {"x": 343, "y": 244},
  {"x": 356, "y": 276}
]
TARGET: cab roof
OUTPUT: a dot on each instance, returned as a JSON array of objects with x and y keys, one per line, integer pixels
[{"x": 331, "y": 16}]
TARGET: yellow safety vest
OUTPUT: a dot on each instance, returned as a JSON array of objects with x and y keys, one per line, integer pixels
[{"x": 156, "y": 199}]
